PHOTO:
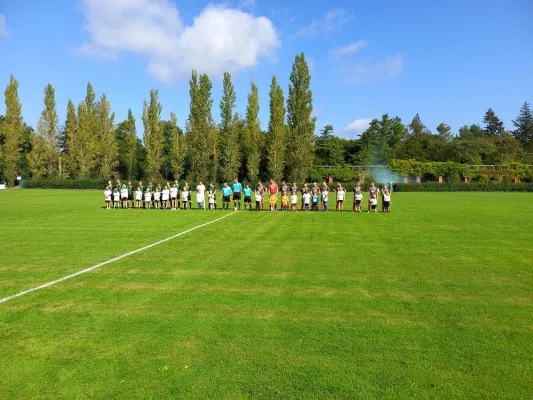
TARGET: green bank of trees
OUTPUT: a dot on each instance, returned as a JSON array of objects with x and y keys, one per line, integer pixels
[{"x": 90, "y": 144}]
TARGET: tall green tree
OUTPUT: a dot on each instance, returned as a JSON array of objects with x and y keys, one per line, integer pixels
[
  {"x": 493, "y": 125},
  {"x": 277, "y": 132},
  {"x": 130, "y": 151},
  {"x": 416, "y": 126},
  {"x": 83, "y": 145},
  {"x": 445, "y": 131},
  {"x": 524, "y": 125},
  {"x": 177, "y": 148},
  {"x": 382, "y": 141},
  {"x": 253, "y": 133},
  {"x": 38, "y": 156},
  {"x": 106, "y": 139},
  {"x": 229, "y": 149},
  {"x": 12, "y": 131},
  {"x": 202, "y": 135},
  {"x": 69, "y": 132},
  {"x": 329, "y": 149},
  {"x": 301, "y": 123},
  {"x": 153, "y": 136}
]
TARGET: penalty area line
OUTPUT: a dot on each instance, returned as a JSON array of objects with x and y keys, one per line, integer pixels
[{"x": 84, "y": 271}]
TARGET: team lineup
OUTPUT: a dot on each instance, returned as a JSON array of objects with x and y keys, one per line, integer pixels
[{"x": 171, "y": 196}]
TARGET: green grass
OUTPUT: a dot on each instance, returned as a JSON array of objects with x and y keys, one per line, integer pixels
[{"x": 434, "y": 300}]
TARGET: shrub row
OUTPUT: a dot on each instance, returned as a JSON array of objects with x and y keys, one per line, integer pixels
[
  {"x": 56, "y": 183},
  {"x": 463, "y": 187}
]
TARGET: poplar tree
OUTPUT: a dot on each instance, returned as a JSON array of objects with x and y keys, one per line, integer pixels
[
  {"x": 69, "y": 132},
  {"x": 12, "y": 131},
  {"x": 253, "y": 132},
  {"x": 229, "y": 157},
  {"x": 38, "y": 155},
  {"x": 106, "y": 138},
  {"x": 276, "y": 136},
  {"x": 153, "y": 135},
  {"x": 131, "y": 143},
  {"x": 50, "y": 132},
  {"x": 84, "y": 147},
  {"x": 177, "y": 148},
  {"x": 300, "y": 151},
  {"x": 202, "y": 134}
]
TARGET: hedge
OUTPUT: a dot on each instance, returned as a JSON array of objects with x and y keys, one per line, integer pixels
[
  {"x": 463, "y": 187},
  {"x": 64, "y": 184}
]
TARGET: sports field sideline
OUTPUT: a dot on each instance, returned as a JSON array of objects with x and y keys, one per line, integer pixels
[{"x": 434, "y": 300}]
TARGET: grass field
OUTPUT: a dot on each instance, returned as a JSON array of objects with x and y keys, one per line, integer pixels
[{"x": 434, "y": 300}]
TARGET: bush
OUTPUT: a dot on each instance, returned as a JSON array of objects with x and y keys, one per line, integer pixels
[
  {"x": 463, "y": 187},
  {"x": 61, "y": 183}
]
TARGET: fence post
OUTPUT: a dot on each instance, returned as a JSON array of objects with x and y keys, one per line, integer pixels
[
  {"x": 440, "y": 179},
  {"x": 418, "y": 180},
  {"x": 405, "y": 179}
]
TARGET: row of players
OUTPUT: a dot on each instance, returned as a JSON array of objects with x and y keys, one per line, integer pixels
[{"x": 169, "y": 196}]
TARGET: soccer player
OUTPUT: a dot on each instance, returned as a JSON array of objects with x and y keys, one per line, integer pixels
[
  {"x": 116, "y": 198},
  {"x": 124, "y": 196},
  {"x": 262, "y": 190},
  {"x": 284, "y": 189},
  {"x": 372, "y": 192},
  {"x": 157, "y": 198},
  {"x": 325, "y": 195},
  {"x": 314, "y": 202},
  {"x": 226, "y": 193},
  {"x": 237, "y": 188},
  {"x": 306, "y": 198},
  {"x": 187, "y": 188},
  {"x": 138, "y": 197},
  {"x": 173, "y": 196},
  {"x": 294, "y": 201},
  {"x": 356, "y": 188},
  {"x": 200, "y": 195},
  {"x": 258, "y": 198},
  {"x": 341, "y": 192},
  {"x": 118, "y": 185},
  {"x": 305, "y": 189},
  {"x": 385, "y": 193},
  {"x": 213, "y": 190},
  {"x": 185, "y": 197},
  {"x": 211, "y": 197},
  {"x": 294, "y": 188},
  {"x": 177, "y": 203},
  {"x": 358, "y": 199},
  {"x": 164, "y": 197},
  {"x": 247, "y": 197},
  {"x": 130, "y": 193},
  {"x": 107, "y": 197},
  {"x": 374, "y": 203},
  {"x": 285, "y": 202},
  {"x": 273, "y": 193},
  {"x": 147, "y": 198}
]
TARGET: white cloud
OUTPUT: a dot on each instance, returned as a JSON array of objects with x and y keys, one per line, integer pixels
[
  {"x": 366, "y": 73},
  {"x": 247, "y": 3},
  {"x": 333, "y": 20},
  {"x": 3, "y": 26},
  {"x": 357, "y": 127},
  {"x": 220, "y": 38},
  {"x": 340, "y": 51}
]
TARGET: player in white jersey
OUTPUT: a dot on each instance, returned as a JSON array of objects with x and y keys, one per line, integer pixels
[
  {"x": 306, "y": 199},
  {"x": 374, "y": 204},
  {"x": 165, "y": 194},
  {"x": 184, "y": 197},
  {"x": 147, "y": 198},
  {"x": 211, "y": 197},
  {"x": 258, "y": 194},
  {"x": 116, "y": 198},
  {"x": 173, "y": 196},
  {"x": 385, "y": 193},
  {"x": 138, "y": 198},
  {"x": 341, "y": 193},
  {"x": 107, "y": 196},
  {"x": 200, "y": 195},
  {"x": 358, "y": 199},
  {"x": 294, "y": 201},
  {"x": 157, "y": 199},
  {"x": 124, "y": 196}
]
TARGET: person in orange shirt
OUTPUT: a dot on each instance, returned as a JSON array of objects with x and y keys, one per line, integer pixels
[
  {"x": 285, "y": 202},
  {"x": 273, "y": 193}
]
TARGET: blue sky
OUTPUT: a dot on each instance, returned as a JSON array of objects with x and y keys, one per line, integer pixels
[{"x": 447, "y": 60}]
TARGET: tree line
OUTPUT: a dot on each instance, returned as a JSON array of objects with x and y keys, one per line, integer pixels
[{"x": 90, "y": 144}]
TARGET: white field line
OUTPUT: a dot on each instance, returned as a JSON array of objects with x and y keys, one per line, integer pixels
[{"x": 83, "y": 271}]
